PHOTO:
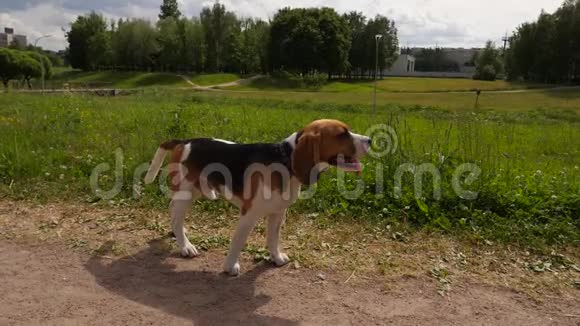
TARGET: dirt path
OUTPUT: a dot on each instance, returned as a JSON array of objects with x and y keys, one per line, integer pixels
[
  {"x": 58, "y": 267},
  {"x": 213, "y": 87},
  {"x": 49, "y": 284}
]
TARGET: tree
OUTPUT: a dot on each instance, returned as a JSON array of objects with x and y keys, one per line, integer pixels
[
  {"x": 548, "y": 49},
  {"x": 100, "y": 51},
  {"x": 363, "y": 50},
  {"x": 8, "y": 66},
  {"x": 217, "y": 24},
  {"x": 170, "y": 44},
  {"x": 388, "y": 45},
  {"x": 488, "y": 64},
  {"x": 357, "y": 54},
  {"x": 84, "y": 38},
  {"x": 28, "y": 67},
  {"x": 193, "y": 46},
  {"x": 253, "y": 47},
  {"x": 336, "y": 42},
  {"x": 169, "y": 9},
  {"x": 44, "y": 61},
  {"x": 135, "y": 44},
  {"x": 309, "y": 40}
]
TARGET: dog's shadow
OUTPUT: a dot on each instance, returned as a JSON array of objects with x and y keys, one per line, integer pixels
[{"x": 206, "y": 298}]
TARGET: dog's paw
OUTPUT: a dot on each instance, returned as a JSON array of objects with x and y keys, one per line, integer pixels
[
  {"x": 189, "y": 250},
  {"x": 233, "y": 270},
  {"x": 280, "y": 260}
]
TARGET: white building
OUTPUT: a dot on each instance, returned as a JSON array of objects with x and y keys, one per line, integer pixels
[
  {"x": 404, "y": 65},
  {"x": 8, "y": 37}
]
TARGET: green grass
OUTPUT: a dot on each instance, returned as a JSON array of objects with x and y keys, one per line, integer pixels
[
  {"x": 113, "y": 79},
  {"x": 550, "y": 100},
  {"x": 214, "y": 79},
  {"x": 528, "y": 190},
  {"x": 388, "y": 84}
]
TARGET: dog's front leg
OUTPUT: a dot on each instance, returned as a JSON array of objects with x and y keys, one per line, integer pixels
[
  {"x": 245, "y": 226},
  {"x": 179, "y": 206},
  {"x": 275, "y": 222}
]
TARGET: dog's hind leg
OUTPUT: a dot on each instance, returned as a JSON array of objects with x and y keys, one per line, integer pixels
[{"x": 245, "y": 226}]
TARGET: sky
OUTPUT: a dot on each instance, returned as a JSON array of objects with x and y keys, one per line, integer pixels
[{"x": 424, "y": 23}]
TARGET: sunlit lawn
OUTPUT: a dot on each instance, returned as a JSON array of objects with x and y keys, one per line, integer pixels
[
  {"x": 389, "y": 84},
  {"x": 214, "y": 79}
]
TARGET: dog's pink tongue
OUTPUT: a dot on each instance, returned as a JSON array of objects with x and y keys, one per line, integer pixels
[{"x": 353, "y": 166}]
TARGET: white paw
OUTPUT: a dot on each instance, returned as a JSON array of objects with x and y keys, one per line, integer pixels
[
  {"x": 280, "y": 260},
  {"x": 189, "y": 250},
  {"x": 233, "y": 270}
]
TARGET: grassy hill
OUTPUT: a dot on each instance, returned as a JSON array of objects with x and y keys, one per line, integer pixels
[
  {"x": 214, "y": 79},
  {"x": 114, "y": 79}
]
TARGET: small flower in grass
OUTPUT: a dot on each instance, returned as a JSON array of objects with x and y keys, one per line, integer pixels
[
  {"x": 61, "y": 177},
  {"x": 554, "y": 197},
  {"x": 47, "y": 174}
]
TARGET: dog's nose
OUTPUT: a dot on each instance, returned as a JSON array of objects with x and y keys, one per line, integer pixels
[{"x": 368, "y": 141}]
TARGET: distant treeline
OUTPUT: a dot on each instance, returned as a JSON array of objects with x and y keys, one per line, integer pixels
[
  {"x": 23, "y": 65},
  {"x": 547, "y": 50},
  {"x": 301, "y": 40}
]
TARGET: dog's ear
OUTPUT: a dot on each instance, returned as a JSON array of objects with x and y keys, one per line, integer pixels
[{"x": 305, "y": 157}]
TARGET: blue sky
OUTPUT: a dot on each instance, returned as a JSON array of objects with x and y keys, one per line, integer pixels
[{"x": 457, "y": 23}]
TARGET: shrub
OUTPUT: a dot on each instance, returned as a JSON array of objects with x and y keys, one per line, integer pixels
[
  {"x": 486, "y": 73},
  {"x": 315, "y": 80}
]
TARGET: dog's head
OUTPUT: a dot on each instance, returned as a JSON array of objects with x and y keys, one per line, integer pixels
[{"x": 325, "y": 143}]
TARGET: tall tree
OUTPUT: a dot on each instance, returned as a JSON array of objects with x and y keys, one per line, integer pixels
[
  {"x": 135, "y": 45},
  {"x": 169, "y": 9},
  {"x": 171, "y": 46},
  {"x": 309, "y": 40},
  {"x": 357, "y": 54},
  {"x": 548, "y": 49},
  {"x": 193, "y": 44},
  {"x": 388, "y": 45},
  {"x": 87, "y": 34},
  {"x": 218, "y": 24}
]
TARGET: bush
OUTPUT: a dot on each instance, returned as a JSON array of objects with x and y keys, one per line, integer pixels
[
  {"x": 486, "y": 73},
  {"x": 315, "y": 80},
  {"x": 16, "y": 64}
]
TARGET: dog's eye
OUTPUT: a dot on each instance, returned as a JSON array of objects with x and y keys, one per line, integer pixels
[{"x": 344, "y": 134}]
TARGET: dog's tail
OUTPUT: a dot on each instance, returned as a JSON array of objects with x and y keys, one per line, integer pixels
[{"x": 158, "y": 159}]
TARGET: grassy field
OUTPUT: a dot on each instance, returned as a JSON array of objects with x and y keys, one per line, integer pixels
[
  {"x": 528, "y": 190},
  {"x": 559, "y": 102},
  {"x": 388, "y": 84},
  {"x": 214, "y": 79}
]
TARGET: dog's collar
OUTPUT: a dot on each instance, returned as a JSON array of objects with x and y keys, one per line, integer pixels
[{"x": 286, "y": 150}]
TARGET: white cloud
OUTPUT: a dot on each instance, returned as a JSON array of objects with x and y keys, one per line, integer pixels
[
  {"x": 420, "y": 22},
  {"x": 43, "y": 19}
]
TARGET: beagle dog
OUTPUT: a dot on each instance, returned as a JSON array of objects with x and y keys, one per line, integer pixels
[{"x": 260, "y": 179}]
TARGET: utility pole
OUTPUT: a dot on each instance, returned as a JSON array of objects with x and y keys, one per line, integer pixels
[
  {"x": 505, "y": 40},
  {"x": 41, "y": 63},
  {"x": 377, "y": 39}
]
